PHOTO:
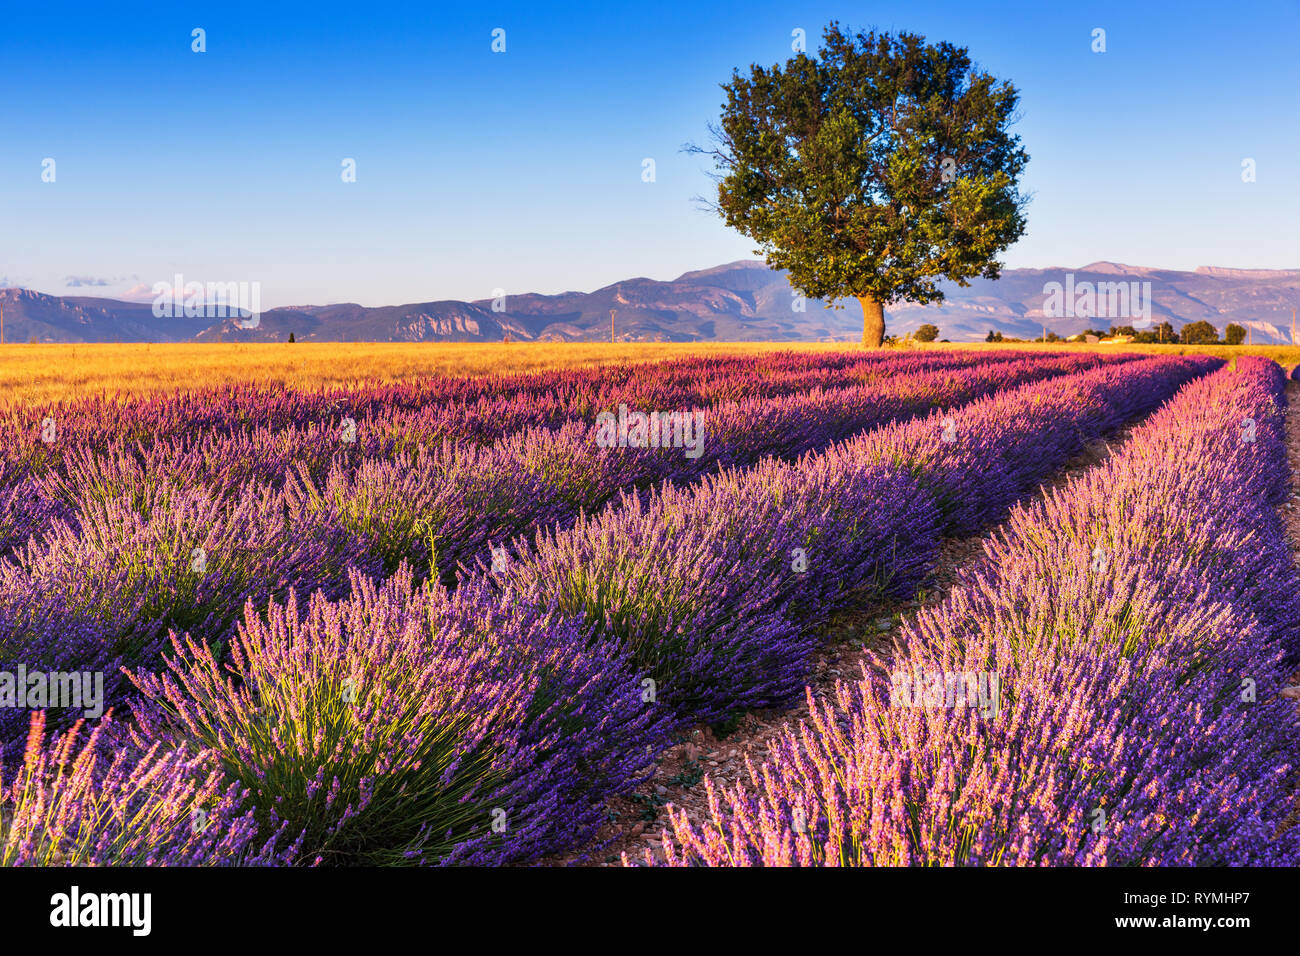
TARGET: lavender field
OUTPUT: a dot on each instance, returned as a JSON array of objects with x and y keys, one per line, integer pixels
[{"x": 468, "y": 620}]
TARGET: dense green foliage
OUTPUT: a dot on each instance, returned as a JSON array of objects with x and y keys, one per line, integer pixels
[{"x": 1199, "y": 333}]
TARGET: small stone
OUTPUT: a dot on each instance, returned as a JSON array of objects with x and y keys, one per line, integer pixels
[
  {"x": 1292, "y": 693},
  {"x": 661, "y": 789}
]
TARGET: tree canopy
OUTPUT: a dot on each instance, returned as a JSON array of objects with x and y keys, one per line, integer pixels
[{"x": 1199, "y": 333}]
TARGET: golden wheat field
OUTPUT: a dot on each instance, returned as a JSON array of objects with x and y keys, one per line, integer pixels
[
  {"x": 53, "y": 372},
  {"x": 41, "y": 373}
]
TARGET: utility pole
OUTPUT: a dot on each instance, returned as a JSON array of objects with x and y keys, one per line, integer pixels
[{"x": 1293, "y": 326}]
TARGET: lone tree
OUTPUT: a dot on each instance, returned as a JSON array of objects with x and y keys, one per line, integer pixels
[
  {"x": 872, "y": 170},
  {"x": 927, "y": 333}
]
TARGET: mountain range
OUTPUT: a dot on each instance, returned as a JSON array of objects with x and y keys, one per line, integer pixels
[{"x": 738, "y": 301}]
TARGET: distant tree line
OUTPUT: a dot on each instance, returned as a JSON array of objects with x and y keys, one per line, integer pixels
[{"x": 1193, "y": 333}]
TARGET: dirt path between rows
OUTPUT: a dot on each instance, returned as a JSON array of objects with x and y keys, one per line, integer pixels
[{"x": 639, "y": 818}]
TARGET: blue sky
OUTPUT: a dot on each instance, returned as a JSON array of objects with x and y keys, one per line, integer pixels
[{"x": 522, "y": 170}]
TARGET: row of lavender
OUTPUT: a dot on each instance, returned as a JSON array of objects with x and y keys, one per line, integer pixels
[
  {"x": 490, "y": 724},
  {"x": 292, "y": 500},
  {"x": 95, "y": 454},
  {"x": 1101, "y": 690},
  {"x": 545, "y": 478},
  {"x": 230, "y": 442},
  {"x": 109, "y": 554},
  {"x": 713, "y": 589},
  {"x": 430, "y": 411},
  {"x": 143, "y": 549}
]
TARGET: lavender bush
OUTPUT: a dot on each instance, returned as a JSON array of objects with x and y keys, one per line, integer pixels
[
  {"x": 89, "y": 799},
  {"x": 410, "y": 724},
  {"x": 179, "y": 559}
]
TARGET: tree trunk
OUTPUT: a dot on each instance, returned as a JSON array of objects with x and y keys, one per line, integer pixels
[{"x": 873, "y": 322}]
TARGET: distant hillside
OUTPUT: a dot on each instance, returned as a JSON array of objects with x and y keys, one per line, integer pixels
[
  {"x": 1260, "y": 300},
  {"x": 733, "y": 302},
  {"x": 32, "y": 316}
]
